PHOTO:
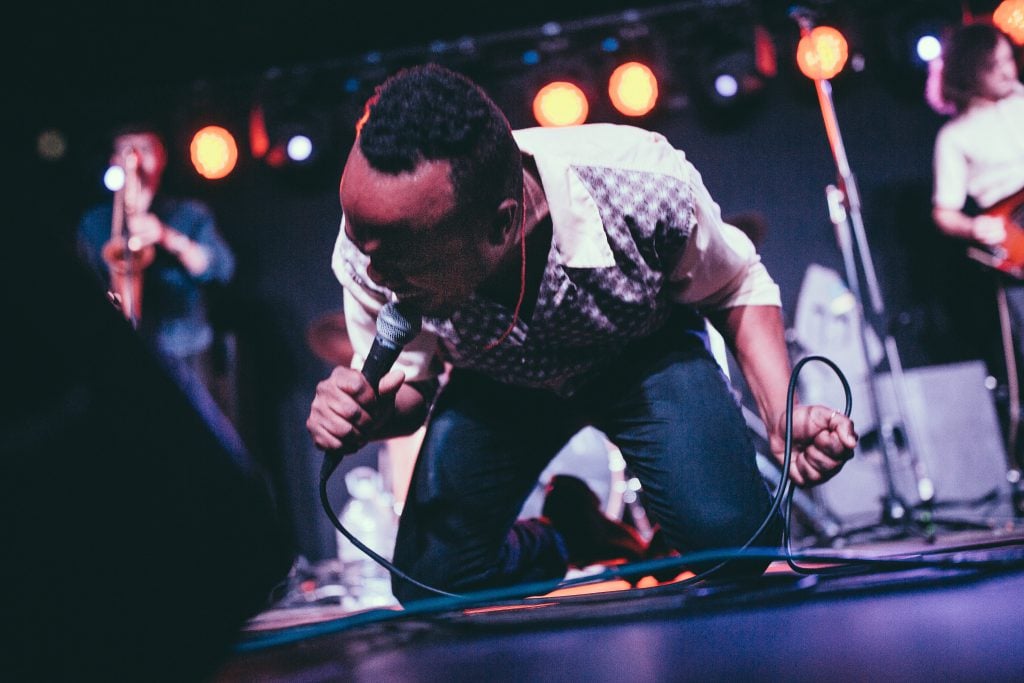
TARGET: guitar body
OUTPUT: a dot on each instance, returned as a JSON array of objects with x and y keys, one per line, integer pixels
[{"x": 1009, "y": 255}]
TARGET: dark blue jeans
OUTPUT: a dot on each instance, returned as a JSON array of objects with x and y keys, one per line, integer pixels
[{"x": 665, "y": 404}]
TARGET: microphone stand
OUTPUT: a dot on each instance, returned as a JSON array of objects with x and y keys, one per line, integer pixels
[
  {"x": 845, "y": 213},
  {"x": 894, "y": 507}
]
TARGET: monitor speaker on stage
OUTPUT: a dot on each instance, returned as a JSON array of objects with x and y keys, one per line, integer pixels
[
  {"x": 137, "y": 533},
  {"x": 948, "y": 439},
  {"x": 957, "y": 437}
]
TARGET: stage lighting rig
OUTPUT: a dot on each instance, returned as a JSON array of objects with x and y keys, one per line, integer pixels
[
  {"x": 295, "y": 121},
  {"x": 722, "y": 59},
  {"x": 912, "y": 35},
  {"x": 633, "y": 65},
  {"x": 726, "y": 81}
]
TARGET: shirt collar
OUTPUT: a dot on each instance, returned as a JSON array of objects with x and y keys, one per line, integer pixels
[{"x": 578, "y": 231}]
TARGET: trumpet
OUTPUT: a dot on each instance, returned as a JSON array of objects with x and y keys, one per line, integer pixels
[{"x": 126, "y": 259}]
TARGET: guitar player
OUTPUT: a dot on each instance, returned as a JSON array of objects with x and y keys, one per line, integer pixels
[
  {"x": 979, "y": 161},
  {"x": 979, "y": 153}
]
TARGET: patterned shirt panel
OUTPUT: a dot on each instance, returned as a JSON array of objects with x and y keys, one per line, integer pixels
[
  {"x": 584, "y": 317},
  {"x": 636, "y": 236}
]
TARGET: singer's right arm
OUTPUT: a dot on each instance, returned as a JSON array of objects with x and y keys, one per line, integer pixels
[
  {"x": 340, "y": 408},
  {"x": 346, "y": 414}
]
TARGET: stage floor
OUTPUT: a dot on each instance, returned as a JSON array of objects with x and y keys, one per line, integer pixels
[{"x": 953, "y": 615}]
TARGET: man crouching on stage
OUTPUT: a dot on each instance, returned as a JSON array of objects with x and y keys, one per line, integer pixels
[{"x": 565, "y": 276}]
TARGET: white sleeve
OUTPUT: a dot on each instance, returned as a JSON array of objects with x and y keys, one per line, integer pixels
[
  {"x": 950, "y": 169},
  {"x": 719, "y": 267},
  {"x": 363, "y": 300}
]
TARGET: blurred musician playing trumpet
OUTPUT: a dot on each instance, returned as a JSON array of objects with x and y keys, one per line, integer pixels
[
  {"x": 128, "y": 252},
  {"x": 161, "y": 250}
]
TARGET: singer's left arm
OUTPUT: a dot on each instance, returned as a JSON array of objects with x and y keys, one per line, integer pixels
[
  {"x": 823, "y": 438},
  {"x": 720, "y": 273}
]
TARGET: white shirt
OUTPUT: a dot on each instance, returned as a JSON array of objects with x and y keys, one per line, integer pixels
[
  {"x": 634, "y": 231},
  {"x": 980, "y": 154}
]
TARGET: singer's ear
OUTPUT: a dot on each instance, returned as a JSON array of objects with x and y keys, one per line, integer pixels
[{"x": 505, "y": 223}]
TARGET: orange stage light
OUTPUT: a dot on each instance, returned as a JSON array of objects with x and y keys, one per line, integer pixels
[
  {"x": 822, "y": 53},
  {"x": 633, "y": 88},
  {"x": 214, "y": 152},
  {"x": 560, "y": 104},
  {"x": 1009, "y": 18}
]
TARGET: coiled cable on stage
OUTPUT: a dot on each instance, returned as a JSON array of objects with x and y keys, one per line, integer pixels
[{"x": 782, "y": 498}]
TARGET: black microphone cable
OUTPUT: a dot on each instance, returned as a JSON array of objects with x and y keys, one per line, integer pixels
[
  {"x": 397, "y": 325},
  {"x": 395, "y": 571},
  {"x": 516, "y": 594},
  {"x": 783, "y": 496}
]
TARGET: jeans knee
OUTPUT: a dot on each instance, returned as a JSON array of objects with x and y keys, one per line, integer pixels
[
  {"x": 728, "y": 530},
  {"x": 426, "y": 573},
  {"x": 406, "y": 592}
]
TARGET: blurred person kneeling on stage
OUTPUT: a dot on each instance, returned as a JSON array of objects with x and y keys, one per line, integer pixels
[{"x": 565, "y": 276}]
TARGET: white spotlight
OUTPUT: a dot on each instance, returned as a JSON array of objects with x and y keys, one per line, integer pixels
[
  {"x": 113, "y": 178},
  {"x": 726, "y": 85},
  {"x": 299, "y": 148},
  {"x": 928, "y": 48}
]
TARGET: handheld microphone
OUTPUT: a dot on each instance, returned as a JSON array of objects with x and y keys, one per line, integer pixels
[{"x": 397, "y": 325}]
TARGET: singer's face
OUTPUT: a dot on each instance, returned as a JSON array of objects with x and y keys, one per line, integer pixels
[{"x": 420, "y": 245}]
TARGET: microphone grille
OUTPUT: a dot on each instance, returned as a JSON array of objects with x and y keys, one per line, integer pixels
[{"x": 398, "y": 324}]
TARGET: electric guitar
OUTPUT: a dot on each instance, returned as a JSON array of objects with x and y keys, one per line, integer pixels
[{"x": 1008, "y": 256}]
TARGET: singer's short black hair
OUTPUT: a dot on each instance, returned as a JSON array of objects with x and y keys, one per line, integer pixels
[
  {"x": 429, "y": 113},
  {"x": 966, "y": 55}
]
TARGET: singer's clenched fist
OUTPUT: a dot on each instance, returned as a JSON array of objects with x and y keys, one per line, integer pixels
[
  {"x": 823, "y": 440},
  {"x": 346, "y": 413}
]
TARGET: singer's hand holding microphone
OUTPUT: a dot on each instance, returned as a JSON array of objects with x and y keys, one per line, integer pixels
[
  {"x": 351, "y": 406},
  {"x": 346, "y": 411}
]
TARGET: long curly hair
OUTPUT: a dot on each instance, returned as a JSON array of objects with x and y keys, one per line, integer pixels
[
  {"x": 967, "y": 53},
  {"x": 428, "y": 113}
]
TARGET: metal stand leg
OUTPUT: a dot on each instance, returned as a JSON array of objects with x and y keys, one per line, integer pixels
[
  {"x": 1013, "y": 473},
  {"x": 894, "y": 507}
]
